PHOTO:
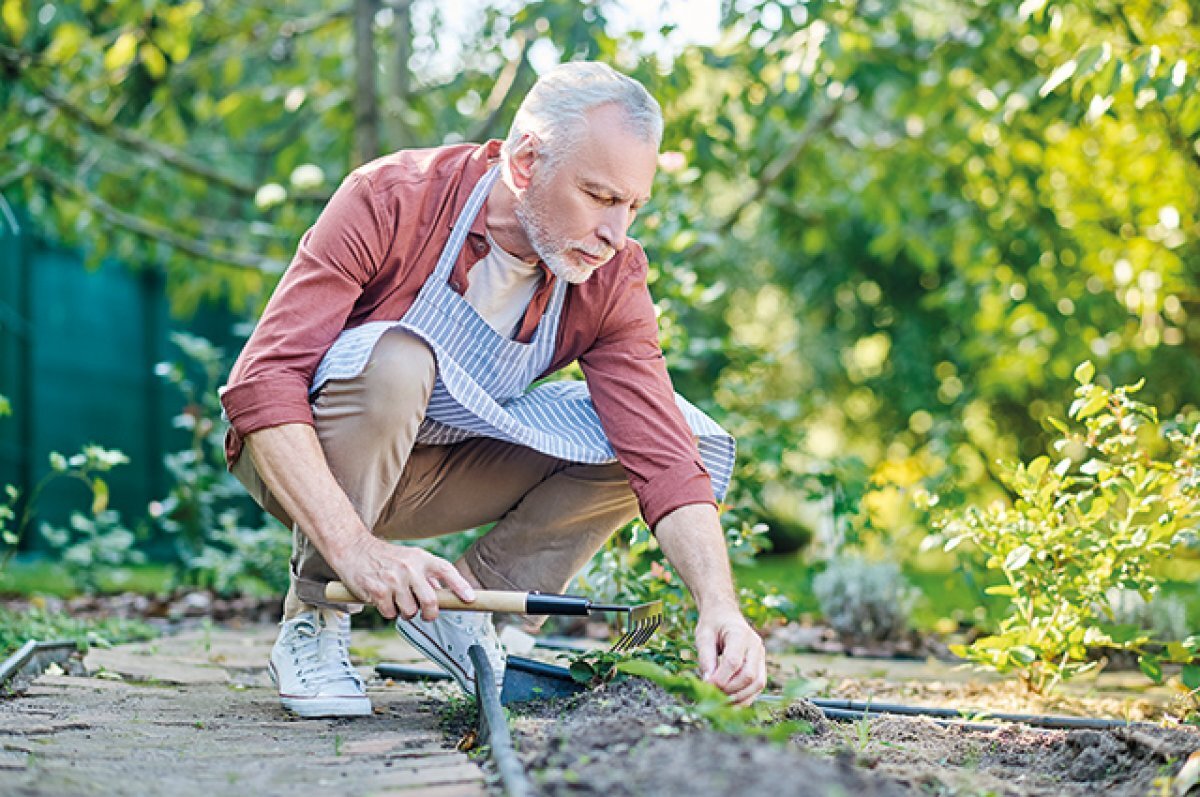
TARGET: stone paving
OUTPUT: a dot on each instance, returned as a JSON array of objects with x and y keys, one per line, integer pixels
[{"x": 195, "y": 714}]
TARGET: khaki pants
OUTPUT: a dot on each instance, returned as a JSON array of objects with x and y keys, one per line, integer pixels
[{"x": 551, "y": 515}]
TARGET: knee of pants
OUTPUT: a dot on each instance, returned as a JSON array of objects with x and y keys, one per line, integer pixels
[{"x": 398, "y": 379}]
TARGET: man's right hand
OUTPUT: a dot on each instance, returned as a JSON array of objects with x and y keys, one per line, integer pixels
[{"x": 399, "y": 578}]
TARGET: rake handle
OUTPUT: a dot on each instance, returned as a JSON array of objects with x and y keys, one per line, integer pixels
[{"x": 487, "y": 600}]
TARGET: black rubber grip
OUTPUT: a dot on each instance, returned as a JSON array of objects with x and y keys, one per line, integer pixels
[{"x": 540, "y": 603}]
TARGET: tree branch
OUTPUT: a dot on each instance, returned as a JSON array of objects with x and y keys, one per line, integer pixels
[
  {"x": 502, "y": 88},
  {"x": 768, "y": 176},
  {"x": 175, "y": 158},
  {"x": 145, "y": 229},
  {"x": 781, "y": 164},
  {"x": 366, "y": 92}
]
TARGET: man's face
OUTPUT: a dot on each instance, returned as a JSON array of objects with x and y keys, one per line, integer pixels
[{"x": 576, "y": 214}]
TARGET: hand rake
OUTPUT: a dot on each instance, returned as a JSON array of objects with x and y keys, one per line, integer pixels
[{"x": 641, "y": 621}]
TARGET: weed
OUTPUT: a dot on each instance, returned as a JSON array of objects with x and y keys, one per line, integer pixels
[
  {"x": 713, "y": 706},
  {"x": 338, "y": 741}
]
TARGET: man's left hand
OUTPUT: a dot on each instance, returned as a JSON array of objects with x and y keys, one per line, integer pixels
[{"x": 731, "y": 655}]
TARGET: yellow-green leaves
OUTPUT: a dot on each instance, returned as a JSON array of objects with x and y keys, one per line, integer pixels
[
  {"x": 66, "y": 43},
  {"x": 1084, "y": 373},
  {"x": 12, "y": 13},
  {"x": 121, "y": 53},
  {"x": 152, "y": 58}
]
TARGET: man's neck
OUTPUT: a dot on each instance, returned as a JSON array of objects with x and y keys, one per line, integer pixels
[{"x": 503, "y": 224}]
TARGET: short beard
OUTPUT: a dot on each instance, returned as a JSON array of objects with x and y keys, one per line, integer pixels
[{"x": 554, "y": 250}]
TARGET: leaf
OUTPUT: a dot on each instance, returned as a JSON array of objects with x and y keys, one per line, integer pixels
[
  {"x": 1084, "y": 373},
  {"x": 581, "y": 672},
  {"x": 1058, "y": 424},
  {"x": 68, "y": 40},
  {"x": 1001, "y": 589},
  {"x": 58, "y": 462},
  {"x": 1150, "y": 666},
  {"x": 99, "y": 495},
  {"x": 1092, "y": 58},
  {"x": 1097, "y": 401},
  {"x": 1058, "y": 77},
  {"x": 1037, "y": 468},
  {"x": 1018, "y": 557},
  {"x": 1092, "y": 467},
  {"x": 644, "y": 669},
  {"x": 153, "y": 60},
  {"x": 1190, "y": 675},
  {"x": 13, "y": 14},
  {"x": 1023, "y": 654},
  {"x": 121, "y": 53}
]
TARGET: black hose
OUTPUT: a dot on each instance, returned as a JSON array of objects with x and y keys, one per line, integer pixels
[
  {"x": 1036, "y": 720},
  {"x": 493, "y": 726}
]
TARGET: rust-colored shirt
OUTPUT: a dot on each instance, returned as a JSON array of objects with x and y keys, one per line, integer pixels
[{"x": 369, "y": 253}]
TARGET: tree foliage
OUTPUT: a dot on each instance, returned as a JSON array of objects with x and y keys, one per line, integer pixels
[{"x": 884, "y": 232}]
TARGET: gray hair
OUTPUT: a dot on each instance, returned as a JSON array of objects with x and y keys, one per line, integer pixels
[{"x": 555, "y": 109}]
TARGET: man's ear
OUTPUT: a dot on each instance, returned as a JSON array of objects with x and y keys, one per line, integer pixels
[{"x": 521, "y": 161}]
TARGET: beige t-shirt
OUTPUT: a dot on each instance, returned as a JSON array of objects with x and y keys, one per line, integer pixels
[{"x": 500, "y": 288}]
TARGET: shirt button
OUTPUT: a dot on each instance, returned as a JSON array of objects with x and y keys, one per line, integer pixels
[
  {"x": 480, "y": 247},
  {"x": 456, "y": 285}
]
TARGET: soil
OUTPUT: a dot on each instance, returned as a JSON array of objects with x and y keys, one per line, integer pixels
[{"x": 632, "y": 738}]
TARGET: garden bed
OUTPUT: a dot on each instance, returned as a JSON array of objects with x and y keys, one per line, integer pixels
[{"x": 632, "y": 738}]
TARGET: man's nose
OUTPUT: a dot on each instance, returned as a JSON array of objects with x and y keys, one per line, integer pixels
[{"x": 614, "y": 225}]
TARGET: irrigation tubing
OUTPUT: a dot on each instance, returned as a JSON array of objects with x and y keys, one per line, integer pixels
[
  {"x": 1036, "y": 720},
  {"x": 493, "y": 726}
]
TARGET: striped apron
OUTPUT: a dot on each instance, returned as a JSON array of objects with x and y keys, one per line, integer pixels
[{"x": 483, "y": 376}]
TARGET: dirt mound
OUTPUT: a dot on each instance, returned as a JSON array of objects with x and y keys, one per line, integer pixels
[{"x": 634, "y": 739}]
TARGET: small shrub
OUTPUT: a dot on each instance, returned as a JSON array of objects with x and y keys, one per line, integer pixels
[
  {"x": 1120, "y": 493},
  {"x": 864, "y": 600}
]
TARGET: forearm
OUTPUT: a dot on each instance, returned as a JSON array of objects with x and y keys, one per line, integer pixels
[
  {"x": 694, "y": 543},
  {"x": 292, "y": 465}
]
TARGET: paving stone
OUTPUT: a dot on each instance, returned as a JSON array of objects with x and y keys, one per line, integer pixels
[{"x": 208, "y": 735}]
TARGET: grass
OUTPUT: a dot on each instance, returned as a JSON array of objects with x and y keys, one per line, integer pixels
[
  {"x": 17, "y": 628},
  {"x": 25, "y": 577}
]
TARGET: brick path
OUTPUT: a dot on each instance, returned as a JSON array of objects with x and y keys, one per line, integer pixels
[{"x": 195, "y": 714}]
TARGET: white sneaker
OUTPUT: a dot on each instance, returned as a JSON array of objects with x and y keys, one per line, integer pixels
[
  {"x": 310, "y": 664},
  {"x": 447, "y": 639}
]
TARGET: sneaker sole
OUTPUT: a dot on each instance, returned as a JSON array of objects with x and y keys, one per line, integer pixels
[
  {"x": 427, "y": 645},
  {"x": 317, "y": 707}
]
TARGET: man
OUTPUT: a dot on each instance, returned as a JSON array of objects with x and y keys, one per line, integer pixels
[{"x": 383, "y": 394}]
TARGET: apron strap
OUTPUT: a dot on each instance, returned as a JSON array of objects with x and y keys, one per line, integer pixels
[{"x": 462, "y": 225}]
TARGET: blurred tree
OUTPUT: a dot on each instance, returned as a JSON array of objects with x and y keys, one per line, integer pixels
[{"x": 885, "y": 232}]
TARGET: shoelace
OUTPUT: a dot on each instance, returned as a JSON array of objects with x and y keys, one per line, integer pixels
[{"x": 322, "y": 655}]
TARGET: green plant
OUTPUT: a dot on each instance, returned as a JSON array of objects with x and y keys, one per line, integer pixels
[
  {"x": 710, "y": 704},
  {"x": 1100, "y": 514},
  {"x": 18, "y": 627},
  {"x": 94, "y": 545},
  {"x": 205, "y": 507},
  {"x": 631, "y": 568},
  {"x": 84, "y": 547}
]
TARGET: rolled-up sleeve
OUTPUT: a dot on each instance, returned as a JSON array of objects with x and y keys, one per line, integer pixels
[
  {"x": 336, "y": 258},
  {"x": 628, "y": 381}
]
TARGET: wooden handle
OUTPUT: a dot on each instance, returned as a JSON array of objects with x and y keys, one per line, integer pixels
[{"x": 486, "y": 600}]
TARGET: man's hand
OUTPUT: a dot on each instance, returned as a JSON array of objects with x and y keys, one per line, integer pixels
[
  {"x": 399, "y": 578},
  {"x": 732, "y": 656}
]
